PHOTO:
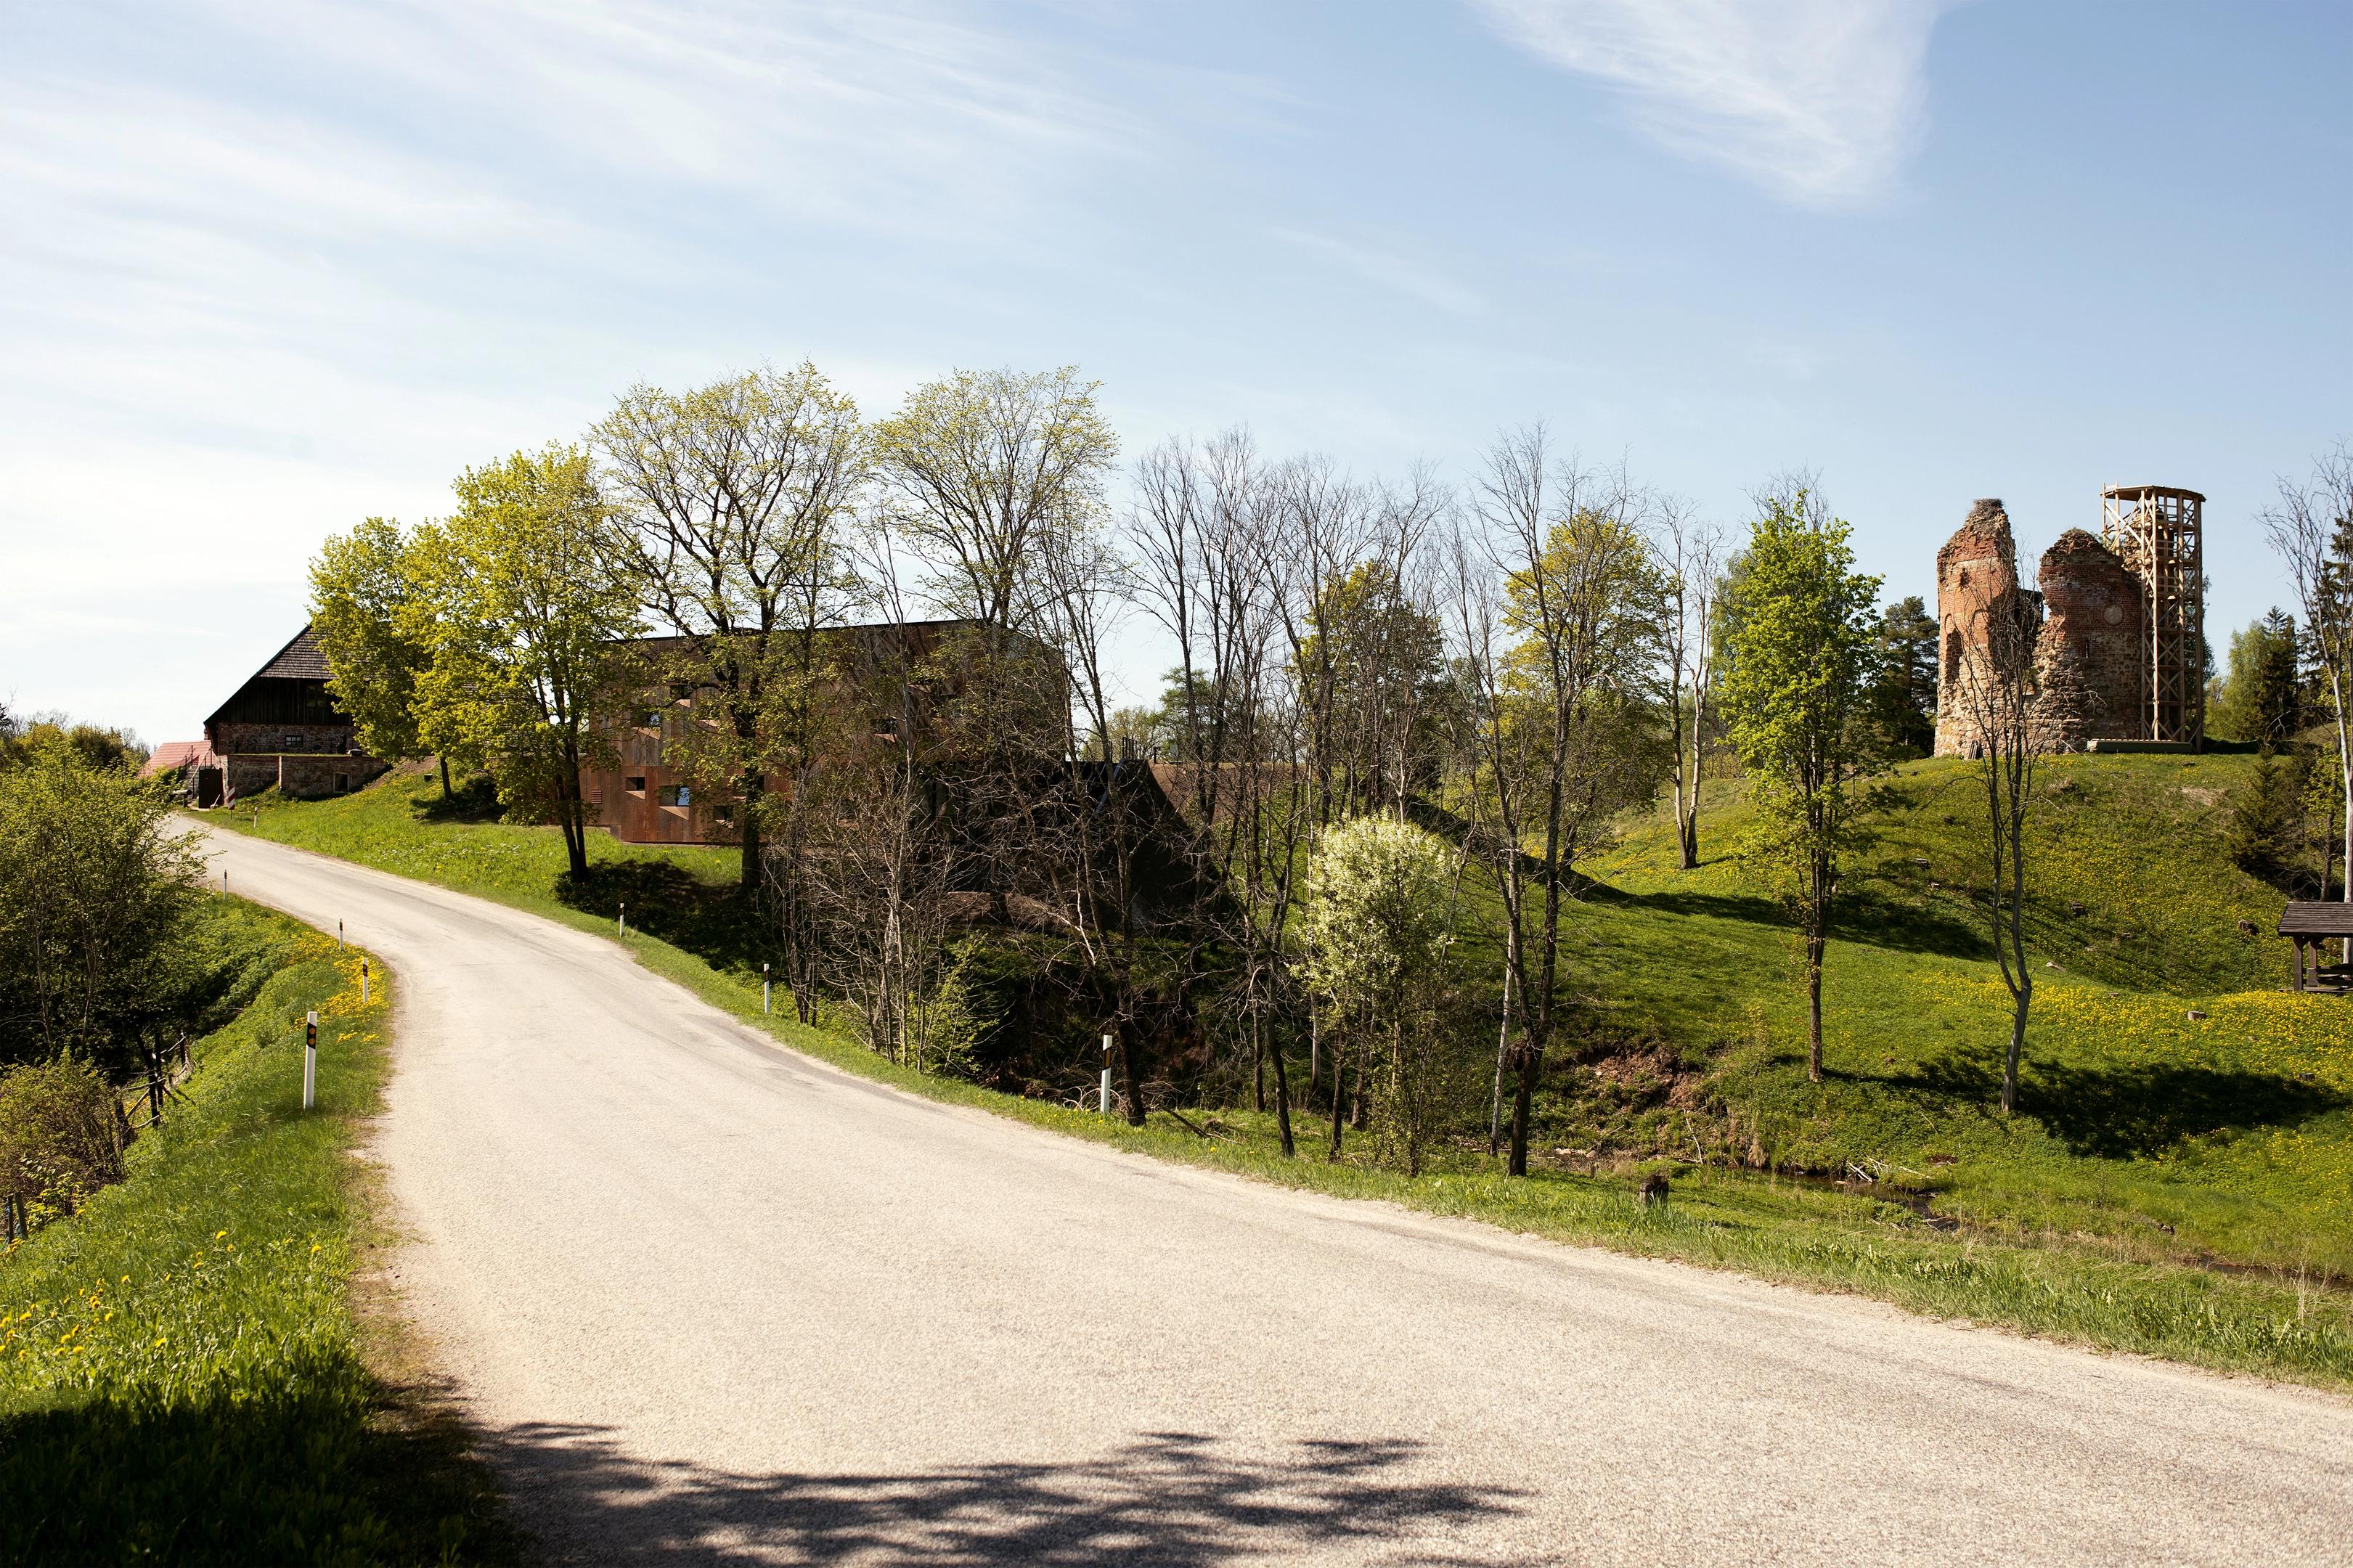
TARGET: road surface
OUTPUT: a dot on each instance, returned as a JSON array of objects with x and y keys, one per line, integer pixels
[{"x": 712, "y": 1302}]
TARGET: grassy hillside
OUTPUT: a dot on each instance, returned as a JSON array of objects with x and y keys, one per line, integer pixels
[
  {"x": 180, "y": 1376},
  {"x": 2158, "y": 1132},
  {"x": 2172, "y": 1185}
]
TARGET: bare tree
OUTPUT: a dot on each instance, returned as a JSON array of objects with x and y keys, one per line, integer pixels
[
  {"x": 1691, "y": 562},
  {"x": 1204, "y": 528},
  {"x": 2311, "y": 527},
  {"x": 1995, "y": 693}
]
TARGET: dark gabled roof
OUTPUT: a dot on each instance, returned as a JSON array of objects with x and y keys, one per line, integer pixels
[{"x": 301, "y": 659}]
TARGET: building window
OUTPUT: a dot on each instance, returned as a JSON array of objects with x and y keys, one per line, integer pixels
[
  {"x": 635, "y": 783},
  {"x": 645, "y": 718},
  {"x": 343, "y": 783},
  {"x": 676, "y": 794},
  {"x": 293, "y": 742}
]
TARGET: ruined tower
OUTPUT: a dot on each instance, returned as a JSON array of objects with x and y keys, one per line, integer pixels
[
  {"x": 2157, "y": 530},
  {"x": 2118, "y": 625},
  {"x": 1977, "y": 579}
]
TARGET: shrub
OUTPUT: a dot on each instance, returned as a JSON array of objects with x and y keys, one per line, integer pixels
[{"x": 61, "y": 1136}]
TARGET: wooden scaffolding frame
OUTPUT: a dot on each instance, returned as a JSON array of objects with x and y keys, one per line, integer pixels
[{"x": 2158, "y": 532}]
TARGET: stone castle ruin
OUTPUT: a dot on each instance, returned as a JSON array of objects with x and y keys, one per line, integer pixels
[{"x": 2117, "y": 624}]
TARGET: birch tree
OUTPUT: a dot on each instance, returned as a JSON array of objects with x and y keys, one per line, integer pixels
[
  {"x": 2311, "y": 527},
  {"x": 1997, "y": 695}
]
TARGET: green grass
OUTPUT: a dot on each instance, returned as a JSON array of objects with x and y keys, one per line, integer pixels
[
  {"x": 2150, "y": 1145},
  {"x": 182, "y": 1375}
]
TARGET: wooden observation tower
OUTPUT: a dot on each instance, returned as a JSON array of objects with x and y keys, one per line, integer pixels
[{"x": 2156, "y": 529}]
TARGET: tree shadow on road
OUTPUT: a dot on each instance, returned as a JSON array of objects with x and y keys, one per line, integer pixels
[{"x": 1166, "y": 1498}]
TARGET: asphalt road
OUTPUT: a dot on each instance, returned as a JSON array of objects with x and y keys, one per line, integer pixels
[{"x": 712, "y": 1302}]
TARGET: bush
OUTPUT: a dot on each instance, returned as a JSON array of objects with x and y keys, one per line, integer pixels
[{"x": 61, "y": 1136}]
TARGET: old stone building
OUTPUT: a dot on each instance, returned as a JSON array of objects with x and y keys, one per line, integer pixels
[
  {"x": 282, "y": 730},
  {"x": 2108, "y": 633}
]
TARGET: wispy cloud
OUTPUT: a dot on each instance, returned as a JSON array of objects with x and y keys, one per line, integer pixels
[
  {"x": 1819, "y": 101},
  {"x": 272, "y": 267},
  {"x": 1388, "y": 270}
]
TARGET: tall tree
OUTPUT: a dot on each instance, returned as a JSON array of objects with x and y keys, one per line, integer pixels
[
  {"x": 1907, "y": 676},
  {"x": 524, "y": 615},
  {"x": 1800, "y": 665},
  {"x": 1558, "y": 600},
  {"x": 363, "y": 593},
  {"x": 1997, "y": 695},
  {"x": 984, "y": 470},
  {"x": 734, "y": 497},
  {"x": 2260, "y": 699},
  {"x": 1691, "y": 565},
  {"x": 1207, "y": 528},
  {"x": 2311, "y": 527}
]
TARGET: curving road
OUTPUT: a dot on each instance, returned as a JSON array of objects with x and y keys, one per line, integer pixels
[{"x": 712, "y": 1302}]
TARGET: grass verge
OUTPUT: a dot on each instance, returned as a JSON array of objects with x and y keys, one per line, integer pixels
[
  {"x": 2098, "y": 1286},
  {"x": 182, "y": 1372}
]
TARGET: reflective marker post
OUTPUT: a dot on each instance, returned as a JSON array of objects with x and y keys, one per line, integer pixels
[
  {"x": 764, "y": 988},
  {"x": 339, "y": 936},
  {"x": 621, "y": 921},
  {"x": 1103, "y": 1102},
  {"x": 311, "y": 1060},
  {"x": 363, "y": 982}
]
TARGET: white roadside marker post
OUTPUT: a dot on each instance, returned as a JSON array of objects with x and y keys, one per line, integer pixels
[
  {"x": 764, "y": 988},
  {"x": 621, "y": 921},
  {"x": 1102, "y": 1099},
  {"x": 364, "y": 982},
  {"x": 311, "y": 1060},
  {"x": 339, "y": 936}
]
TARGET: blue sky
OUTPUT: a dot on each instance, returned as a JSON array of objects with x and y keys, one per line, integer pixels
[{"x": 267, "y": 269}]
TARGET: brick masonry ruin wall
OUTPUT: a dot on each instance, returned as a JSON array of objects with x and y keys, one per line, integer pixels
[
  {"x": 1976, "y": 579},
  {"x": 2088, "y": 648}
]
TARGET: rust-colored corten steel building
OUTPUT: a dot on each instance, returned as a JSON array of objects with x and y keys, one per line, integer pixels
[
  {"x": 282, "y": 729},
  {"x": 643, "y": 799},
  {"x": 2118, "y": 626}
]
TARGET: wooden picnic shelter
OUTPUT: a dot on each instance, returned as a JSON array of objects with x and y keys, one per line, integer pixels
[{"x": 2311, "y": 926}]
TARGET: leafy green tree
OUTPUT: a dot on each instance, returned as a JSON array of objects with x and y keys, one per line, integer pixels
[
  {"x": 2260, "y": 699},
  {"x": 733, "y": 499},
  {"x": 365, "y": 612},
  {"x": 100, "y": 748},
  {"x": 1800, "y": 667},
  {"x": 523, "y": 615},
  {"x": 985, "y": 473},
  {"x": 1377, "y": 908},
  {"x": 96, "y": 892}
]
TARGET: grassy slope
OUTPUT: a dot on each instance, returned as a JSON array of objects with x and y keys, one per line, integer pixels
[
  {"x": 181, "y": 1377},
  {"x": 2158, "y": 1134},
  {"x": 1692, "y": 967}
]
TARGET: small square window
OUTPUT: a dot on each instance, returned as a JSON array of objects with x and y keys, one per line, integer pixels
[
  {"x": 636, "y": 783},
  {"x": 645, "y": 718},
  {"x": 676, "y": 794},
  {"x": 293, "y": 742}
]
